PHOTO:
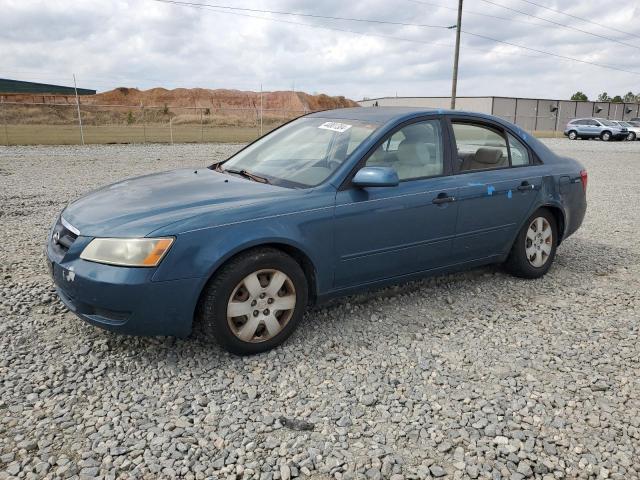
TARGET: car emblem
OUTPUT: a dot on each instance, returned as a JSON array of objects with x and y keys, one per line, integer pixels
[{"x": 56, "y": 237}]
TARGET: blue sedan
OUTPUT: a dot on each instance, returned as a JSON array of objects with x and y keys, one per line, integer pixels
[{"x": 327, "y": 205}]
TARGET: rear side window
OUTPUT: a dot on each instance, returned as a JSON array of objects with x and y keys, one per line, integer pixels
[
  {"x": 479, "y": 147},
  {"x": 519, "y": 153}
]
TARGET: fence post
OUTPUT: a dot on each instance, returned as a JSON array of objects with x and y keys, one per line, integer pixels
[
  {"x": 78, "y": 106},
  {"x": 4, "y": 118},
  {"x": 201, "y": 127},
  {"x": 260, "y": 109},
  {"x": 171, "y": 129},
  {"x": 144, "y": 123}
]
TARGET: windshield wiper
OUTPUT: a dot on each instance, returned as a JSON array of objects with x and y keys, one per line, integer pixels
[{"x": 246, "y": 174}]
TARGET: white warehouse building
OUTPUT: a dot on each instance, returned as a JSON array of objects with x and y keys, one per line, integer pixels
[{"x": 531, "y": 114}]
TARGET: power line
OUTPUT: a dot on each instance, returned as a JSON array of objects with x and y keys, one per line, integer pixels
[
  {"x": 562, "y": 25},
  {"x": 99, "y": 80},
  {"x": 581, "y": 18},
  {"x": 468, "y": 12},
  {"x": 557, "y": 55},
  {"x": 216, "y": 8},
  {"x": 343, "y": 30},
  {"x": 310, "y": 15}
]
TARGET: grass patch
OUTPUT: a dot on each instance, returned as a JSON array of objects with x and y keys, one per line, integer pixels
[{"x": 70, "y": 134}]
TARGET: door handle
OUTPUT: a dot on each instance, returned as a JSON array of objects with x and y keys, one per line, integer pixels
[
  {"x": 443, "y": 198},
  {"x": 526, "y": 186}
]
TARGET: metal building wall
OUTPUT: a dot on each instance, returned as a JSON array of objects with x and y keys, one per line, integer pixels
[
  {"x": 529, "y": 113},
  {"x": 566, "y": 111},
  {"x": 505, "y": 108},
  {"x": 547, "y": 112},
  {"x": 526, "y": 113},
  {"x": 631, "y": 110},
  {"x": 583, "y": 109}
]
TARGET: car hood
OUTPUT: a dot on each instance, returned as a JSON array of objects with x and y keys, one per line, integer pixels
[{"x": 138, "y": 206}]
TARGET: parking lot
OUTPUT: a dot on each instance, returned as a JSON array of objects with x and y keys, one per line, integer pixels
[{"x": 473, "y": 375}]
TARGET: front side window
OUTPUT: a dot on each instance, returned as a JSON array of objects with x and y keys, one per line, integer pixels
[
  {"x": 479, "y": 147},
  {"x": 414, "y": 151},
  {"x": 303, "y": 153}
]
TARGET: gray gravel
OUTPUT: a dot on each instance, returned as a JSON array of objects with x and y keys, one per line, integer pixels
[{"x": 474, "y": 375}]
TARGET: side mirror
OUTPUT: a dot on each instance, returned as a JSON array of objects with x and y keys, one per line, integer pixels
[{"x": 375, "y": 177}]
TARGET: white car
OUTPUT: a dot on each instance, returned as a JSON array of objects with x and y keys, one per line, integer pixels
[{"x": 632, "y": 127}]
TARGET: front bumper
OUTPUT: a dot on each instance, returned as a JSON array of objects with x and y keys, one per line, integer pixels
[{"x": 121, "y": 299}]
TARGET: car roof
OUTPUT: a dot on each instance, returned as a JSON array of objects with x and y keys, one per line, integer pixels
[{"x": 387, "y": 114}]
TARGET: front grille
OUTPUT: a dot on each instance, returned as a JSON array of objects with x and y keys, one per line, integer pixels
[{"x": 63, "y": 236}]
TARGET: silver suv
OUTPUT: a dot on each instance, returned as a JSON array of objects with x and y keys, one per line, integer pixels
[{"x": 600, "y": 128}]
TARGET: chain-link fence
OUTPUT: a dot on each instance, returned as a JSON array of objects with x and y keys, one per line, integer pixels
[{"x": 58, "y": 123}]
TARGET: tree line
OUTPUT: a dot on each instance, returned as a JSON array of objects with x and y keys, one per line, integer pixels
[{"x": 629, "y": 97}]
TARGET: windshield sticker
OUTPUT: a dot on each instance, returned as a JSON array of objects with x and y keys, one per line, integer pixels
[{"x": 335, "y": 126}]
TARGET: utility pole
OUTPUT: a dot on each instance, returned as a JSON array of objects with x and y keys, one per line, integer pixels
[
  {"x": 78, "y": 106},
  {"x": 454, "y": 81}
]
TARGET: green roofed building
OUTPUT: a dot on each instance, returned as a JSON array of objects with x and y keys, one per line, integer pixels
[{"x": 16, "y": 86}]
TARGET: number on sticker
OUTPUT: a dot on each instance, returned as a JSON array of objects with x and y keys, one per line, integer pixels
[{"x": 335, "y": 126}]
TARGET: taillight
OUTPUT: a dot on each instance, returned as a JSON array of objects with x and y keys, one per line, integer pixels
[{"x": 584, "y": 177}]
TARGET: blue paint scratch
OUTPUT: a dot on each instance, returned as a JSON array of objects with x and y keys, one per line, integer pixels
[
  {"x": 509, "y": 194},
  {"x": 474, "y": 184},
  {"x": 490, "y": 190}
]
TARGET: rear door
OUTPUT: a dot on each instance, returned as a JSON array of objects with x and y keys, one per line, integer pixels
[{"x": 498, "y": 182}]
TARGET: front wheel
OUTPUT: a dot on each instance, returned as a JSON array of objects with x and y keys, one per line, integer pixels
[
  {"x": 535, "y": 247},
  {"x": 255, "y": 301},
  {"x": 631, "y": 137}
]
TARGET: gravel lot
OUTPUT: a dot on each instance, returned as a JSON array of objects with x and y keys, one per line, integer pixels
[{"x": 474, "y": 375}]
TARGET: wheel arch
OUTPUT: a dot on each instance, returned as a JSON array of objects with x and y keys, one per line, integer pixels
[
  {"x": 290, "y": 248},
  {"x": 559, "y": 215}
]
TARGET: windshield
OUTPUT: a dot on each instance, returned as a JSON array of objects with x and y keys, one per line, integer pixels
[{"x": 302, "y": 153}]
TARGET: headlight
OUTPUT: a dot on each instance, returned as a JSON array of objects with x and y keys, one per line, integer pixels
[{"x": 127, "y": 252}]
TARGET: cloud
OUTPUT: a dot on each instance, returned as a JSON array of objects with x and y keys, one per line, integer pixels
[{"x": 143, "y": 43}]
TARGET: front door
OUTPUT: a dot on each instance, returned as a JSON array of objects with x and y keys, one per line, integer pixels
[{"x": 387, "y": 232}]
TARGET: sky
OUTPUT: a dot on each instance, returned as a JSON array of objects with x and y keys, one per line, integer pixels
[{"x": 146, "y": 43}]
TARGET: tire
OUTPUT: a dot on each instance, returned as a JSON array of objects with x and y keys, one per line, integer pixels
[
  {"x": 573, "y": 135},
  {"x": 244, "y": 282},
  {"x": 631, "y": 137},
  {"x": 605, "y": 136},
  {"x": 531, "y": 255}
]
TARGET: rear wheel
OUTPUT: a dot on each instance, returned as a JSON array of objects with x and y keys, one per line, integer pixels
[
  {"x": 631, "y": 137},
  {"x": 255, "y": 301},
  {"x": 573, "y": 135},
  {"x": 535, "y": 247},
  {"x": 605, "y": 136}
]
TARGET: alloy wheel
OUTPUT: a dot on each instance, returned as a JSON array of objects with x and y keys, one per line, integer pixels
[
  {"x": 573, "y": 135},
  {"x": 539, "y": 242},
  {"x": 261, "y": 305}
]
